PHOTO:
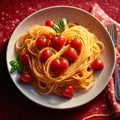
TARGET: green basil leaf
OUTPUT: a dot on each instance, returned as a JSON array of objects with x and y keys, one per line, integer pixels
[
  {"x": 15, "y": 65},
  {"x": 12, "y": 63},
  {"x": 12, "y": 70},
  {"x": 19, "y": 69},
  {"x": 62, "y": 25},
  {"x": 18, "y": 59},
  {"x": 56, "y": 28}
]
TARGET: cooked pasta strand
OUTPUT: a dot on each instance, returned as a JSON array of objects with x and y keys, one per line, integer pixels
[{"x": 78, "y": 73}]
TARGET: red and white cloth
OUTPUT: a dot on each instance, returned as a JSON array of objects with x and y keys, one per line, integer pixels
[{"x": 110, "y": 89}]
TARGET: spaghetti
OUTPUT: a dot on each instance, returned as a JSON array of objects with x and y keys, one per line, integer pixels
[{"x": 79, "y": 74}]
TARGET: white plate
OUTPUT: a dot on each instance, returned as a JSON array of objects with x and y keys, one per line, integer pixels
[{"x": 72, "y": 14}]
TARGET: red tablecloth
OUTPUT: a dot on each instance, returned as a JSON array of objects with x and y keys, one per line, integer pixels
[{"x": 15, "y": 106}]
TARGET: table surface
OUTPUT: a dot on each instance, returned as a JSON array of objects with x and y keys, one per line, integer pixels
[{"x": 13, "y": 104}]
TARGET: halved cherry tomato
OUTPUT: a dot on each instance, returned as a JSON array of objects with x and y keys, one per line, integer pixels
[
  {"x": 45, "y": 55},
  {"x": 49, "y": 23},
  {"x": 41, "y": 42},
  {"x": 70, "y": 54},
  {"x": 97, "y": 64},
  {"x": 76, "y": 44},
  {"x": 24, "y": 57},
  {"x": 68, "y": 91},
  {"x": 57, "y": 42},
  {"x": 26, "y": 78},
  {"x": 59, "y": 65}
]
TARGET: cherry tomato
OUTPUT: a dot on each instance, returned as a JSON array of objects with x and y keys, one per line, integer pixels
[
  {"x": 26, "y": 78},
  {"x": 45, "y": 55},
  {"x": 68, "y": 92},
  {"x": 57, "y": 42},
  {"x": 76, "y": 44},
  {"x": 41, "y": 42},
  {"x": 59, "y": 66},
  {"x": 24, "y": 57},
  {"x": 70, "y": 54},
  {"x": 97, "y": 64},
  {"x": 49, "y": 23},
  {"x": 48, "y": 37}
]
